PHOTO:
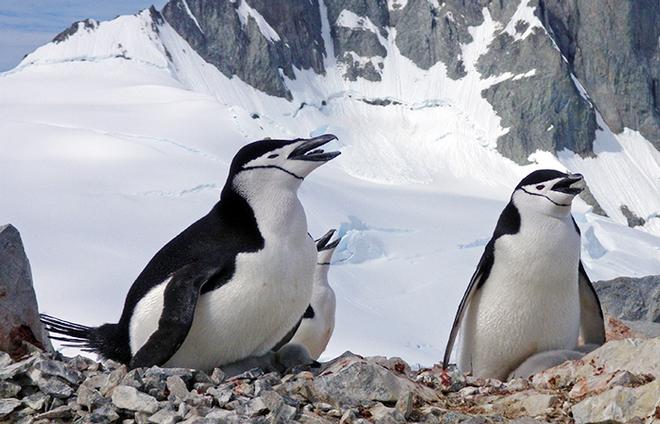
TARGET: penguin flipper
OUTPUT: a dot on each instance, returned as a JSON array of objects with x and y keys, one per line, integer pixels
[
  {"x": 592, "y": 323},
  {"x": 180, "y": 298},
  {"x": 478, "y": 279}
]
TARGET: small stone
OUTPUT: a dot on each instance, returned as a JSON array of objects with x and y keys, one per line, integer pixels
[
  {"x": 64, "y": 411},
  {"x": 5, "y": 359},
  {"x": 311, "y": 418},
  {"x": 218, "y": 376},
  {"x": 517, "y": 384},
  {"x": 80, "y": 363},
  {"x": 104, "y": 414},
  {"x": 8, "y": 389},
  {"x": 538, "y": 404},
  {"x": 17, "y": 368},
  {"x": 348, "y": 417},
  {"x": 115, "y": 377},
  {"x": 132, "y": 378},
  {"x": 221, "y": 414},
  {"x": 221, "y": 394},
  {"x": 89, "y": 397},
  {"x": 96, "y": 381},
  {"x": 177, "y": 387},
  {"x": 165, "y": 416},
  {"x": 405, "y": 404},
  {"x": 56, "y": 388},
  {"x": 323, "y": 407},
  {"x": 7, "y": 406},
  {"x": 58, "y": 369},
  {"x": 255, "y": 407},
  {"x": 468, "y": 391},
  {"x": 381, "y": 414},
  {"x": 127, "y": 397},
  {"x": 35, "y": 401}
]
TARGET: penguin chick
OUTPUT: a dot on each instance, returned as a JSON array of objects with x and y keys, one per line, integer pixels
[{"x": 318, "y": 322}]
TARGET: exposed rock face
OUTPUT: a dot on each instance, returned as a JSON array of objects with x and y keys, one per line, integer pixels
[
  {"x": 604, "y": 385},
  {"x": 632, "y": 299},
  {"x": 612, "y": 47},
  {"x": 19, "y": 320},
  {"x": 543, "y": 111},
  {"x": 253, "y": 41},
  {"x": 544, "y": 105},
  {"x": 551, "y": 64}
]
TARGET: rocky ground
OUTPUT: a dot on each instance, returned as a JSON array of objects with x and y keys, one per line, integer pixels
[{"x": 616, "y": 383}]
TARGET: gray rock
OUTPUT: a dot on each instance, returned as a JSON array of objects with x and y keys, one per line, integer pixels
[
  {"x": 633, "y": 299},
  {"x": 55, "y": 387},
  {"x": 127, "y": 397},
  {"x": 90, "y": 397},
  {"x": 620, "y": 404},
  {"x": 104, "y": 414},
  {"x": 7, "y": 406},
  {"x": 19, "y": 320},
  {"x": 427, "y": 35},
  {"x": 545, "y": 111},
  {"x": 59, "y": 369},
  {"x": 242, "y": 50},
  {"x": 35, "y": 401},
  {"x": 644, "y": 328},
  {"x": 351, "y": 380},
  {"x": 8, "y": 389},
  {"x": 631, "y": 217},
  {"x": 612, "y": 48},
  {"x": 64, "y": 411},
  {"x": 165, "y": 416}
]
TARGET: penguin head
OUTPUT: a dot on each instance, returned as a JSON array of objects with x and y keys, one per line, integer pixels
[
  {"x": 285, "y": 162},
  {"x": 326, "y": 248},
  {"x": 548, "y": 191}
]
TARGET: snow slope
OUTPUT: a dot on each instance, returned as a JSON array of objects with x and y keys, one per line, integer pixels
[{"x": 118, "y": 138}]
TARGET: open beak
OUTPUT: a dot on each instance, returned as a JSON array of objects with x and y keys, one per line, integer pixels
[
  {"x": 309, "y": 149},
  {"x": 573, "y": 184},
  {"x": 322, "y": 243}
]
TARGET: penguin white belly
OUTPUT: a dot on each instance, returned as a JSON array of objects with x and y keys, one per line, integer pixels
[
  {"x": 247, "y": 316},
  {"x": 314, "y": 333},
  {"x": 529, "y": 303}
]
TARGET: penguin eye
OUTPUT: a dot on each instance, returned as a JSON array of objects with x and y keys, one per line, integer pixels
[
  {"x": 273, "y": 156},
  {"x": 540, "y": 187}
]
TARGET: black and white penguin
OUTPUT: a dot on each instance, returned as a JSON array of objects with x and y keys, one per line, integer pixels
[
  {"x": 318, "y": 323},
  {"x": 530, "y": 292},
  {"x": 230, "y": 286}
]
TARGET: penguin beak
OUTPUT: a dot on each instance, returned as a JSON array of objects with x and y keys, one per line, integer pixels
[
  {"x": 573, "y": 184},
  {"x": 309, "y": 150},
  {"x": 322, "y": 243}
]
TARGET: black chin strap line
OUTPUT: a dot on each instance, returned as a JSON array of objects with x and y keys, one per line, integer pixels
[
  {"x": 276, "y": 167},
  {"x": 536, "y": 194}
]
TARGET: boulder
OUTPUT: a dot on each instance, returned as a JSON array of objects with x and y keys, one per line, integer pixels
[
  {"x": 19, "y": 320},
  {"x": 631, "y": 299}
]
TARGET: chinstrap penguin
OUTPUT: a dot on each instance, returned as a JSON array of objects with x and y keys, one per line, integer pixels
[
  {"x": 318, "y": 322},
  {"x": 233, "y": 284},
  {"x": 530, "y": 292}
]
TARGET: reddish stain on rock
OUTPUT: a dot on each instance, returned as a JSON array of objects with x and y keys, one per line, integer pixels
[{"x": 21, "y": 334}]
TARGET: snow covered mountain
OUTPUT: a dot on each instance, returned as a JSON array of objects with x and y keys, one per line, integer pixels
[{"x": 118, "y": 134}]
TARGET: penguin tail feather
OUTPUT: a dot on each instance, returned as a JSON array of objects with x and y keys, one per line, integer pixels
[
  {"x": 72, "y": 334},
  {"x": 106, "y": 340}
]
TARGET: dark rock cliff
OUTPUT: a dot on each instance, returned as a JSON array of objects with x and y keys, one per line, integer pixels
[{"x": 553, "y": 74}]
